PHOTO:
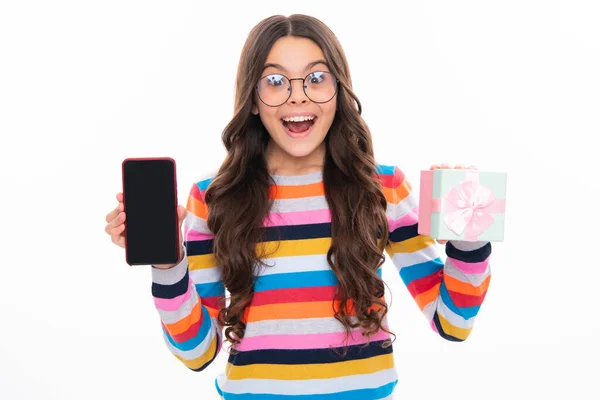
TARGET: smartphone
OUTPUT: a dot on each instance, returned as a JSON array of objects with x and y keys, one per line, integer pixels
[{"x": 150, "y": 200}]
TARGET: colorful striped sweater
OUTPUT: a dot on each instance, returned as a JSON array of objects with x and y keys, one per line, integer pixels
[{"x": 286, "y": 352}]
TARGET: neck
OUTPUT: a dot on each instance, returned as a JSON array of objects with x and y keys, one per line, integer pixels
[{"x": 281, "y": 163}]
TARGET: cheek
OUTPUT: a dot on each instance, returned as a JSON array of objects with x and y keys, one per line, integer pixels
[
  {"x": 328, "y": 111},
  {"x": 330, "y": 108},
  {"x": 267, "y": 112},
  {"x": 268, "y": 116}
]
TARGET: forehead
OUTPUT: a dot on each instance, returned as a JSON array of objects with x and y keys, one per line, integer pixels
[{"x": 294, "y": 53}]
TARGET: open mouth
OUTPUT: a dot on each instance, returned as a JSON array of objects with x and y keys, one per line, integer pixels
[{"x": 298, "y": 126}]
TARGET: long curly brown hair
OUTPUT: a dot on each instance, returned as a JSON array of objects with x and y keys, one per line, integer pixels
[{"x": 238, "y": 196}]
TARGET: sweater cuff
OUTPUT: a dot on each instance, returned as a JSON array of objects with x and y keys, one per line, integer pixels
[
  {"x": 172, "y": 275},
  {"x": 469, "y": 252}
]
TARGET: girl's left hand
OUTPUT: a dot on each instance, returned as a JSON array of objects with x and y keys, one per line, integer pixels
[{"x": 447, "y": 166}]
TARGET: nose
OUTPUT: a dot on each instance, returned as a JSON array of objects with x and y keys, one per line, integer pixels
[{"x": 298, "y": 95}]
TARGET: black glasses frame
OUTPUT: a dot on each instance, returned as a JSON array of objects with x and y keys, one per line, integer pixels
[{"x": 337, "y": 81}]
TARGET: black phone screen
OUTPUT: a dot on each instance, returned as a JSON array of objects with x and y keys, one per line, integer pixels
[{"x": 150, "y": 199}]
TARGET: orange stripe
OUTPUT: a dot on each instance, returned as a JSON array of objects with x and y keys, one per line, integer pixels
[
  {"x": 317, "y": 309},
  {"x": 197, "y": 207},
  {"x": 398, "y": 194},
  {"x": 184, "y": 324},
  {"x": 213, "y": 312},
  {"x": 457, "y": 286},
  {"x": 427, "y": 297},
  {"x": 295, "y": 192}
]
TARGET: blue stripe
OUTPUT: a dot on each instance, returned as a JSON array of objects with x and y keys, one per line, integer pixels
[
  {"x": 210, "y": 289},
  {"x": 294, "y": 280},
  {"x": 466, "y": 312},
  {"x": 196, "y": 340},
  {"x": 202, "y": 185},
  {"x": 298, "y": 280},
  {"x": 359, "y": 394},
  {"x": 385, "y": 169},
  {"x": 418, "y": 271}
]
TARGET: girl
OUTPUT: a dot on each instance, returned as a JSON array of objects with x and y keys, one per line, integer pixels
[{"x": 294, "y": 224}]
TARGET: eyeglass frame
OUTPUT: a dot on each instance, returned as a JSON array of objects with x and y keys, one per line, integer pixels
[{"x": 290, "y": 88}]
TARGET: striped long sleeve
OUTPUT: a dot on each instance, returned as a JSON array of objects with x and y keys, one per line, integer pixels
[
  {"x": 448, "y": 293},
  {"x": 188, "y": 296}
]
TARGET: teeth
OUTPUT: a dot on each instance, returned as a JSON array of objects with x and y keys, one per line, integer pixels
[{"x": 299, "y": 118}]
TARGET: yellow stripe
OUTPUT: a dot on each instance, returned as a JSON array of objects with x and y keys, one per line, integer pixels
[
  {"x": 411, "y": 245},
  {"x": 288, "y": 248},
  {"x": 203, "y": 261},
  {"x": 457, "y": 332},
  {"x": 204, "y": 358},
  {"x": 284, "y": 248},
  {"x": 310, "y": 371}
]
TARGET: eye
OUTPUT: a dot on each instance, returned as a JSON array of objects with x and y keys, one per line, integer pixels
[
  {"x": 276, "y": 80},
  {"x": 316, "y": 77}
]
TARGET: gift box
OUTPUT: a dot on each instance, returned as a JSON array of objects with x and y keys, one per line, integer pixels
[{"x": 459, "y": 204}]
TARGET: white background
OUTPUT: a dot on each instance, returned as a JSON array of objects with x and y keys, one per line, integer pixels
[{"x": 507, "y": 85}]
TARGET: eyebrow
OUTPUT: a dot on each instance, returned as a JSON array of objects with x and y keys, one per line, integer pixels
[{"x": 308, "y": 66}]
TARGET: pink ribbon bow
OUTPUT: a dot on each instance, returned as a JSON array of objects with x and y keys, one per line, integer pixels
[{"x": 470, "y": 208}]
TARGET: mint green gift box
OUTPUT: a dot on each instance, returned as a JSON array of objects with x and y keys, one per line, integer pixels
[{"x": 459, "y": 204}]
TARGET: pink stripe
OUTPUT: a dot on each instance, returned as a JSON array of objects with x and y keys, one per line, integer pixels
[
  {"x": 313, "y": 341},
  {"x": 174, "y": 303},
  {"x": 192, "y": 234},
  {"x": 432, "y": 323},
  {"x": 470, "y": 268},
  {"x": 425, "y": 195},
  {"x": 298, "y": 218},
  {"x": 409, "y": 219}
]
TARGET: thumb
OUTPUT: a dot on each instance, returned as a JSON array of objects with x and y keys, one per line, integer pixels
[{"x": 181, "y": 213}]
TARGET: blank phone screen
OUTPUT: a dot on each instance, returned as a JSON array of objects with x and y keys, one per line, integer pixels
[{"x": 149, "y": 191}]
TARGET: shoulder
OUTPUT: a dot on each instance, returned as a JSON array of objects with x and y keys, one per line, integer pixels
[
  {"x": 394, "y": 183},
  {"x": 390, "y": 174},
  {"x": 201, "y": 182},
  {"x": 197, "y": 190}
]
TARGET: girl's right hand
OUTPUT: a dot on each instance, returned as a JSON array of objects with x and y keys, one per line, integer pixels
[{"x": 115, "y": 226}]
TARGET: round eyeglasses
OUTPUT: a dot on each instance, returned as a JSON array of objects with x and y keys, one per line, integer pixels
[{"x": 276, "y": 89}]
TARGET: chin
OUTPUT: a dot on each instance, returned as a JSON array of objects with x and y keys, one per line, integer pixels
[{"x": 300, "y": 150}]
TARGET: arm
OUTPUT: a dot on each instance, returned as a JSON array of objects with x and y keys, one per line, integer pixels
[
  {"x": 189, "y": 295},
  {"x": 448, "y": 293}
]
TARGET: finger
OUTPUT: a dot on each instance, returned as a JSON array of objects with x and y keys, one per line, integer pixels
[
  {"x": 181, "y": 213},
  {"x": 121, "y": 241},
  {"x": 442, "y": 241},
  {"x": 118, "y": 220},
  {"x": 120, "y": 197},
  {"x": 120, "y": 207},
  {"x": 117, "y": 231},
  {"x": 113, "y": 214},
  {"x": 445, "y": 165},
  {"x": 117, "y": 236},
  {"x": 459, "y": 166},
  {"x": 434, "y": 166}
]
